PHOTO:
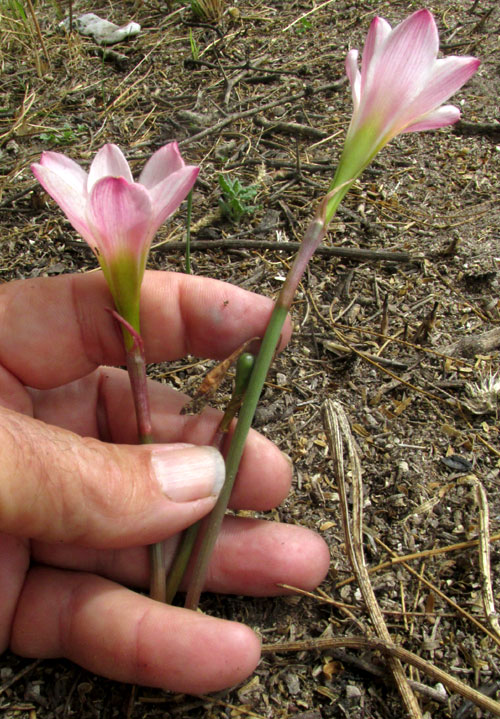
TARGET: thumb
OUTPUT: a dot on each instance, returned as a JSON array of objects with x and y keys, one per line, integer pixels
[{"x": 59, "y": 487}]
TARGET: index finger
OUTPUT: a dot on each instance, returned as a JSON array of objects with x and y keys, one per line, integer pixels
[{"x": 55, "y": 330}]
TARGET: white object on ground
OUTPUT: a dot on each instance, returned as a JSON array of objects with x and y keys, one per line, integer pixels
[{"x": 103, "y": 31}]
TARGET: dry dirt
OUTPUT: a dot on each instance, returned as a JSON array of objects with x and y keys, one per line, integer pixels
[{"x": 425, "y": 444}]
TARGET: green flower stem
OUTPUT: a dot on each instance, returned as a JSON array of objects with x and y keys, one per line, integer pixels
[
  {"x": 136, "y": 366},
  {"x": 185, "y": 550},
  {"x": 312, "y": 239},
  {"x": 158, "y": 574},
  {"x": 252, "y": 394},
  {"x": 178, "y": 568}
]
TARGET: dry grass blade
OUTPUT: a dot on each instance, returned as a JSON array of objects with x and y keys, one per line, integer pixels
[
  {"x": 21, "y": 115},
  {"x": 38, "y": 31},
  {"x": 323, "y": 597},
  {"x": 305, "y": 15},
  {"x": 336, "y": 427},
  {"x": 404, "y": 343}
]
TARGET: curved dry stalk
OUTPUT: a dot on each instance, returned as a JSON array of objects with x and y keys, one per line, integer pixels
[
  {"x": 484, "y": 556},
  {"x": 336, "y": 427},
  {"x": 394, "y": 651}
]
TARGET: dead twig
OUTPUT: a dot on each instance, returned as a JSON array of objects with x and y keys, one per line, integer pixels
[
  {"x": 455, "y": 291},
  {"x": 248, "y": 66},
  {"x": 290, "y": 128},
  {"x": 323, "y": 597},
  {"x": 314, "y": 167},
  {"x": 425, "y": 328},
  {"x": 405, "y": 343},
  {"x": 233, "y": 81},
  {"x": 463, "y": 127},
  {"x": 351, "y": 253},
  {"x": 383, "y": 361},
  {"x": 476, "y": 344},
  {"x": 377, "y": 364}
]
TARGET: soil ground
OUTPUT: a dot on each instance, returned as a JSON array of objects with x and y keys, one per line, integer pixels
[{"x": 426, "y": 442}]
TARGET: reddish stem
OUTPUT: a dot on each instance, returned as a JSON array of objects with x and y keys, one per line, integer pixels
[{"x": 136, "y": 366}]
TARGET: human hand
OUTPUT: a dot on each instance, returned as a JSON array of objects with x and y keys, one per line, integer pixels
[{"x": 77, "y": 512}]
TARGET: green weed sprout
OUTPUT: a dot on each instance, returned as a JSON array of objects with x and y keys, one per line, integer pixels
[{"x": 236, "y": 198}]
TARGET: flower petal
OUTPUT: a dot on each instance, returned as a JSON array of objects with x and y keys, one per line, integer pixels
[
  {"x": 445, "y": 115},
  {"x": 354, "y": 76},
  {"x": 399, "y": 71},
  {"x": 62, "y": 187},
  {"x": 163, "y": 163},
  {"x": 120, "y": 214},
  {"x": 168, "y": 194},
  {"x": 67, "y": 169},
  {"x": 377, "y": 35},
  {"x": 448, "y": 76},
  {"x": 414, "y": 44},
  {"x": 109, "y": 162}
]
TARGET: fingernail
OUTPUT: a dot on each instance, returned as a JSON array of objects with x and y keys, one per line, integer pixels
[{"x": 189, "y": 473}]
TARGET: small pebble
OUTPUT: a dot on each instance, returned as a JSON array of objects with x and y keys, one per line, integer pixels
[{"x": 352, "y": 692}]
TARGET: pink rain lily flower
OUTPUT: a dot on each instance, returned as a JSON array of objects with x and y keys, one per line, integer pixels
[
  {"x": 115, "y": 215},
  {"x": 401, "y": 87}
]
